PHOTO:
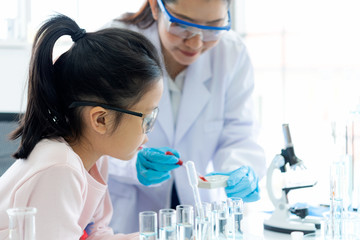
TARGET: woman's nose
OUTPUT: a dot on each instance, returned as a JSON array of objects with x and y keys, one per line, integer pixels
[{"x": 195, "y": 41}]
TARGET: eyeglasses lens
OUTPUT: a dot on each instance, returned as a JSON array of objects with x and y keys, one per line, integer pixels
[
  {"x": 149, "y": 120},
  {"x": 186, "y": 32}
]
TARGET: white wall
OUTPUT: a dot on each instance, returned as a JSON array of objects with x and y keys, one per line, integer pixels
[
  {"x": 14, "y": 59},
  {"x": 13, "y": 74}
]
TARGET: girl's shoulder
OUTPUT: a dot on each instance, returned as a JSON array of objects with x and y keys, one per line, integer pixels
[{"x": 54, "y": 152}]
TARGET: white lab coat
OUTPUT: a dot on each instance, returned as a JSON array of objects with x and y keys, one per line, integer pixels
[{"x": 215, "y": 129}]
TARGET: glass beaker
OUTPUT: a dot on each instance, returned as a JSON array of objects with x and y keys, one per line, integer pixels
[
  {"x": 148, "y": 225},
  {"x": 167, "y": 224},
  {"x": 184, "y": 222},
  {"x": 22, "y": 223}
]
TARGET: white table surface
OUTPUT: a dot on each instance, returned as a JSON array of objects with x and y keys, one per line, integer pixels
[{"x": 254, "y": 225}]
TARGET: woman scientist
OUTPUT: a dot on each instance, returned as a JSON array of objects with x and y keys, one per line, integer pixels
[{"x": 206, "y": 111}]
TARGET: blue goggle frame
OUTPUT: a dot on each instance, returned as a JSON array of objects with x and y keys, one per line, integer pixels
[{"x": 176, "y": 20}]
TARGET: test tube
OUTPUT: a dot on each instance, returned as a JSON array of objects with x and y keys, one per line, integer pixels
[
  {"x": 335, "y": 222},
  {"x": 203, "y": 222},
  {"x": 225, "y": 221},
  {"x": 238, "y": 208},
  {"x": 148, "y": 225},
  {"x": 231, "y": 224},
  {"x": 184, "y": 222},
  {"x": 167, "y": 224},
  {"x": 214, "y": 221},
  {"x": 22, "y": 223}
]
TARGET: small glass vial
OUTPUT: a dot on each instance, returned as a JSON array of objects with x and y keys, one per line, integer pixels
[
  {"x": 148, "y": 225},
  {"x": 22, "y": 223},
  {"x": 203, "y": 222},
  {"x": 167, "y": 224},
  {"x": 184, "y": 222}
]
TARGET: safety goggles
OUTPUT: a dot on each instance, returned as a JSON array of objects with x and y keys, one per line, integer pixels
[
  {"x": 188, "y": 30},
  {"x": 148, "y": 119}
]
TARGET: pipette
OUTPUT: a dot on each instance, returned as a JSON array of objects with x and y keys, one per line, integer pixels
[
  {"x": 180, "y": 162},
  {"x": 193, "y": 179}
]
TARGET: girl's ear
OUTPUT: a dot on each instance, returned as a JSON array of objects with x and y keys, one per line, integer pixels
[
  {"x": 99, "y": 120},
  {"x": 154, "y": 9}
]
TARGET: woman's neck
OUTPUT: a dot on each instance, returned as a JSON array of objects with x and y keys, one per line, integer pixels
[{"x": 173, "y": 68}]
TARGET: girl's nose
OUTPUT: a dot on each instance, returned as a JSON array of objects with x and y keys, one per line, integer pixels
[{"x": 146, "y": 139}]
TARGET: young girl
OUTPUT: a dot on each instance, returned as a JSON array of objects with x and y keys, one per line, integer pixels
[{"x": 98, "y": 98}]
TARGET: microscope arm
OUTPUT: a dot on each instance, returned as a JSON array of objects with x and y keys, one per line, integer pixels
[{"x": 276, "y": 163}]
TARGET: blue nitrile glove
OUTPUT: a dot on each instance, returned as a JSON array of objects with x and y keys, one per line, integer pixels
[
  {"x": 153, "y": 165},
  {"x": 242, "y": 183}
]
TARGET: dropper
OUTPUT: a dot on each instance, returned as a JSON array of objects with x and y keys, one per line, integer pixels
[
  {"x": 193, "y": 179},
  {"x": 180, "y": 162}
]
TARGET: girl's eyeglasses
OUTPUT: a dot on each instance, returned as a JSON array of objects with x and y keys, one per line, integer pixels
[
  {"x": 188, "y": 30},
  {"x": 148, "y": 119}
]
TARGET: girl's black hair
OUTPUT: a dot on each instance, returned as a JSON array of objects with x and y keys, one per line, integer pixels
[
  {"x": 111, "y": 66},
  {"x": 143, "y": 18}
]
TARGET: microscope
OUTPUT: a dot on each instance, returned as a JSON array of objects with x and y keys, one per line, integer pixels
[{"x": 281, "y": 219}]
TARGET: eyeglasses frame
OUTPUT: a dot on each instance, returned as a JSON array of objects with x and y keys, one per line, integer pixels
[{"x": 95, "y": 104}]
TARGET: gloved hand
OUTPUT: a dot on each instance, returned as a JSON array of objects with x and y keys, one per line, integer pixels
[
  {"x": 153, "y": 165},
  {"x": 242, "y": 183}
]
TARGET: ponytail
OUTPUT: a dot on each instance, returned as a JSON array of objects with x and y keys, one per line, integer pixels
[
  {"x": 112, "y": 66},
  {"x": 44, "y": 117}
]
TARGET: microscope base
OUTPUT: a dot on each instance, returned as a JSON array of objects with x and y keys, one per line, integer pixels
[{"x": 288, "y": 226}]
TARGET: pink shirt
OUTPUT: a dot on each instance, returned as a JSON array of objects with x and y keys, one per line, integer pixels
[{"x": 67, "y": 197}]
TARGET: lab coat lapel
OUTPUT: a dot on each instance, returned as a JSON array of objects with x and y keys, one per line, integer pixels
[
  {"x": 165, "y": 117},
  {"x": 195, "y": 95}
]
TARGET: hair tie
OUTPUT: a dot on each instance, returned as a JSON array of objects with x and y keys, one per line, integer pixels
[{"x": 78, "y": 34}]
